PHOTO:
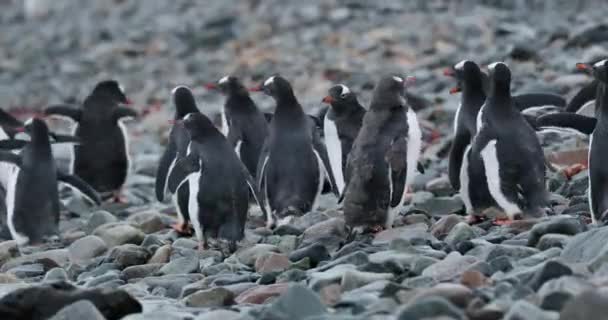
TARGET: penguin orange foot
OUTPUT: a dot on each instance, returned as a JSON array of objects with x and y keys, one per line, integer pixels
[
  {"x": 118, "y": 197},
  {"x": 474, "y": 219},
  {"x": 182, "y": 228},
  {"x": 503, "y": 221}
]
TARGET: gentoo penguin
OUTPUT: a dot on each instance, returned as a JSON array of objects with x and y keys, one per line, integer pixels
[
  {"x": 383, "y": 159},
  {"x": 32, "y": 200},
  {"x": 218, "y": 181},
  {"x": 242, "y": 122},
  {"x": 294, "y": 161},
  {"x": 341, "y": 125},
  {"x": 100, "y": 127},
  {"x": 177, "y": 148},
  {"x": 512, "y": 159}
]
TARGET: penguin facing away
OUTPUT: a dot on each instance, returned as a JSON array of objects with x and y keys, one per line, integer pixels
[
  {"x": 245, "y": 125},
  {"x": 383, "y": 159},
  {"x": 341, "y": 125},
  {"x": 36, "y": 178},
  {"x": 507, "y": 150},
  {"x": 99, "y": 125},
  {"x": 219, "y": 183},
  {"x": 177, "y": 148},
  {"x": 294, "y": 161}
]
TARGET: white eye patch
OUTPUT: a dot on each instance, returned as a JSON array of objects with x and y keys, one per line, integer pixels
[
  {"x": 398, "y": 79},
  {"x": 223, "y": 80},
  {"x": 460, "y": 65},
  {"x": 345, "y": 89},
  {"x": 180, "y": 86},
  {"x": 600, "y": 63},
  {"x": 493, "y": 65},
  {"x": 269, "y": 81}
]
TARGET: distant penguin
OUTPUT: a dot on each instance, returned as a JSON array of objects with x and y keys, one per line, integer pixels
[
  {"x": 507, "y": 150},
  {"x": 177, "y": 148},
  {"x": 294, "y": 160},
  {"x": 102, "y": 159},
  {"x": 383, "y": 159},
  {"x": 218, "y": 181},
  {"x": 242, "y": 122},
  {"x": 341, "y": 125},
  {"x": 32, "y": 200}
]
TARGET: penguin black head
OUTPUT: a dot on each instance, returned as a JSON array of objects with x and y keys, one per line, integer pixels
[
  {"x": 340, "y": 98},
  {"x": 390, "y": 92},
  {"x": 229, "y": 85},
  {"x": 500, "y": 76},
  {"x": 276, "y": 87},
  {"x": 599, "y": 70},
  {"x": 113, "y": 90},
  {"x": 467, "y": 73},
  {"x": 184, "y": 101},
  {"x": 198, "y": 125},
  {"x": 37, "y": 129}
]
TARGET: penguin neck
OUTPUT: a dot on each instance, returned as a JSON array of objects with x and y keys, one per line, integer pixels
[
  {"x": 40, "y": 142},
  {"x": 601, "y": 103},
  {"x": 185, "y": 110},
  {"x": 500, "y": 95},
  {"x": 239, "y": 100},
  {"x": 288, "y": 104},
  {"x": 473, "y": 95}
]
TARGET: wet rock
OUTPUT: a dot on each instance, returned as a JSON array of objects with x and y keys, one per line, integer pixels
[
  {"x": 128, "y": 255},
  {"x": 99, "y": 218},
  {"x": 249, "y": 255},
  {"x": 82, "y": 309},
  {"x": 560, "y": 225},
  {"x": 428, "y": 308},
  {"x": 84, "y": 249},
  {"x": 271, "y": 262},
  {"x": 449, "y": 268},
  {"x": 523, "y": 310},
  {"x": 214, "y": 297},
  {"x": 592, "y": 304},
  {"x": 260, "y": 294},
  {"x": 315, "y": 253},
  {"x": 181, "y": 265},
  {"x": 115, "y": 234}
]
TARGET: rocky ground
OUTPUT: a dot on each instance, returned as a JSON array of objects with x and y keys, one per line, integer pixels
[{"x": 431, "y": 266}]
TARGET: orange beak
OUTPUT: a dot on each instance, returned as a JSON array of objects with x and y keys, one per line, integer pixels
[
  {"x": 455, "y": 90},
  {"x": 328, "y": 100},
  {"x": 583, "y": 66},
  {"x": 448, "y": 72},
  {"x": 210, "y": 86},
  {"x": 256, "y": 89}
]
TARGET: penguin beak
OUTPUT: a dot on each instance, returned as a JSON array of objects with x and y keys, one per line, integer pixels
[
  {"x": 256, "y": 89},
  {"x": 174, "y": 122},
  {"x": 583, "y": 66},
  {"x": 210, "y": 86},
  {"x": 409, "y": 81},
  {"x": 448, "y": 72},
  {"x": 455, "y": 90},
  {"x": 328, "y": 100},
  {"x": 128, "y": 102}
]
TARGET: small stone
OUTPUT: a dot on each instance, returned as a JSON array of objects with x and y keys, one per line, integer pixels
[
  {"x": 87, "y": 248},
  {"x": 129, "y": 255},
  {"x": 473, "y": 279},
  {"x": 260, "y": 294},
  {"x": 115, "y": 234},
  {"x": 99, "y": 218},
  {"x": 443, "y": 226},
  {"x": 560, "y": 225},
  {"x": 460, "y": 232},
  {"x": 161, "y": 255},
  {"x": 214, "y": 297},
  {"x": 552, "y": 240},
  {"x": 140, "y": 271},
  {"x": 56, "y": 274},
  {"x": 249, "y": 255},
  {"x": 315, "y": 252},
  {"x": 79, "y": 310},
  {"x": 331, "y": 294},
  {"x": 219, "y": 314},
  {"x": 449, "y": 268},
  {"x": 271, "y": 262},
  {"x": 428, "y": 308},
  {"x": 148, "y": 222},
  {"x": 182, "y": 265},
  {"x": 523, "y": 310}
]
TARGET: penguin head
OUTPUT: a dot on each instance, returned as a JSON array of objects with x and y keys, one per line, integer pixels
[
  {"x": 37, "y": 129},
  {"x": 390, "y": 92},
  {"x": 276, "y": 87},
  {"x": 467, "y": 73},
  {"x": 198, "y": 125},
  {"x": 500, "y": 78},
  {"x": 184, "y": 101},
  {"x": 599, "y": 70},
  {"x": 113, "y": 90},
  {"x": 229, "y": 85},
  {"x": 340, "y": 98}
]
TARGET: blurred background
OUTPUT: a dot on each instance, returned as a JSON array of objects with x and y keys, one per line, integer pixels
[{"x": 54, "y": 51}]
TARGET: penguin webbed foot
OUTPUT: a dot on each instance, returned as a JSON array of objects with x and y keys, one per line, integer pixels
[
  {"x": 119, "y": 197},
  {"x": 475, "y": 219},
  {"x": 183, "y": 229}
]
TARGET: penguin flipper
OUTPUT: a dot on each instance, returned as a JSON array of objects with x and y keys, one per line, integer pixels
[
  {"x": 585, "y": 95},
  {"x": 12, "y": 144},
  {"x": 264, "y": 155},
  {"x": 6, "y": 156},
  {"x": 574, "y": 121},
  {"x": 6, "y": 119},
  {"x": 320, "y": 149},
  {"x": 260, "y": 197},
  {"x": 122, "y": 113},
  {"x": 396, "y": 158},
  {"x": 168, "y": 158},
  {"x": 182, "y": 169},
  {"x": 459, "y": 145},
  {"x": 531, "y": 100},
  {"x": 80, "y": 185},
  {"x": 63, "y": 110}
]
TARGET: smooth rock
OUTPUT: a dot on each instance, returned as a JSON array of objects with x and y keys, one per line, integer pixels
[
  {"x": 259, "y": 294},
  {"x": 99, "y": 218},
  {"x": 58, "y": 257},
  {"x": 443, "y": 226},
  {"x": 523, "y": 310},
  {"x": 560, "y": 225},
  {"x": 315, "y": 253},
  {"x": 56, "y": 274},
  {"x": 552, "y": 240},
  {"x": 556, "y": 292},
  {"x": 84, "y": 249},
  {"x": 249, "y": 255},
  {"x": 429, "y": 308},
  {"x": 592, "y": 304},
  {"x": 182, "y": 265},
  {"x": 148, "y": 222},
  {"x": 140, "y": 271},
  {"x": 219, "y": 315},
  {"x": 460, "y": 232},
  {"x": 550, "y": 270},
  {"x": 449, "y": 268},
  {"x": 214, "y": 297},
  {"x": 115, "y": 234},
  {"x": 298, "y": 302},
  {"x": 161, "y": 255},
  {"x": 8, "y": 250},
  {"x": 128, "y": 255},
  {"x": 79, "y": 310}
]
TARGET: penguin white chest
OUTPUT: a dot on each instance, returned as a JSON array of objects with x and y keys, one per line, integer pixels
[{"x": 334, "y": 150}]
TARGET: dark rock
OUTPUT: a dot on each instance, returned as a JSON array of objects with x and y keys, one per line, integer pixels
[
  {"x": 315, "y": 252},
  {"x": 523, "y": 310},
  {"x": 560, "y": 225},
  {"x": 552, "y": 240},
  {"x": 214, "y": 297},
  {"x": 82, "y": 309},
  {"x": 430, "y": 307},
  {"x": 181, "y": 265},
  {"x": 592, "y": 304},
  {"x": 550, "y": 270},
  {"x": 43, "y": 301},
  {"x": 140, "y": 271},
  {"x": 128, "y": 255},
  {"x": 556, "y": 292},
  {"x": 287, "y": 229}
]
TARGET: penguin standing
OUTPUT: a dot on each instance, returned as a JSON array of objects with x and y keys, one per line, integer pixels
[
  {"x": 242, "y": 122},
  {"x": 294, "y": 160},
  {"x": 383, "y": 159},
  {"x": 177, "y": 148},
  {"x": 102, "y": 159},
  {"x": 219, "y": 183},
  {"x": 32, "y": 200},
  {"x": 508, "y": 152},
  {"x": 341, "y": 125}
]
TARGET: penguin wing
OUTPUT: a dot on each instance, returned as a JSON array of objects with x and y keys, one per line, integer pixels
[
  {"x": 531, "y": 100},
  {"x": 396, "y": 159},
  {"x": 574, "y": 121},
  {"x": 585, "y": 95},
  {"x": 234, "y": 136},
  {"x": 122, "y": 113},
  {"x": 6, "y": 156},
  {"x": 182, "y": 169},
  {"x": 319, "y": 148},
  {"x": 261, "y": 170},
  {"x": 79, "y": 185},
  {"x": 461, "y": 140},
  {"x": 6, "y": 119},
  {"x": 12, "y": 144},
  {"x": 167, "y": 161},
  {"x": 65, "y": 111}
]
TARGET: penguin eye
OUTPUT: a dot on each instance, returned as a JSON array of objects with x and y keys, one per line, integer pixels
[{"x": 343, "y": 96}]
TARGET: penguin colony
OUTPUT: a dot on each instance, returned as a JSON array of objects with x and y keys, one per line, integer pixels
[{"x": 367, "y": 157}]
